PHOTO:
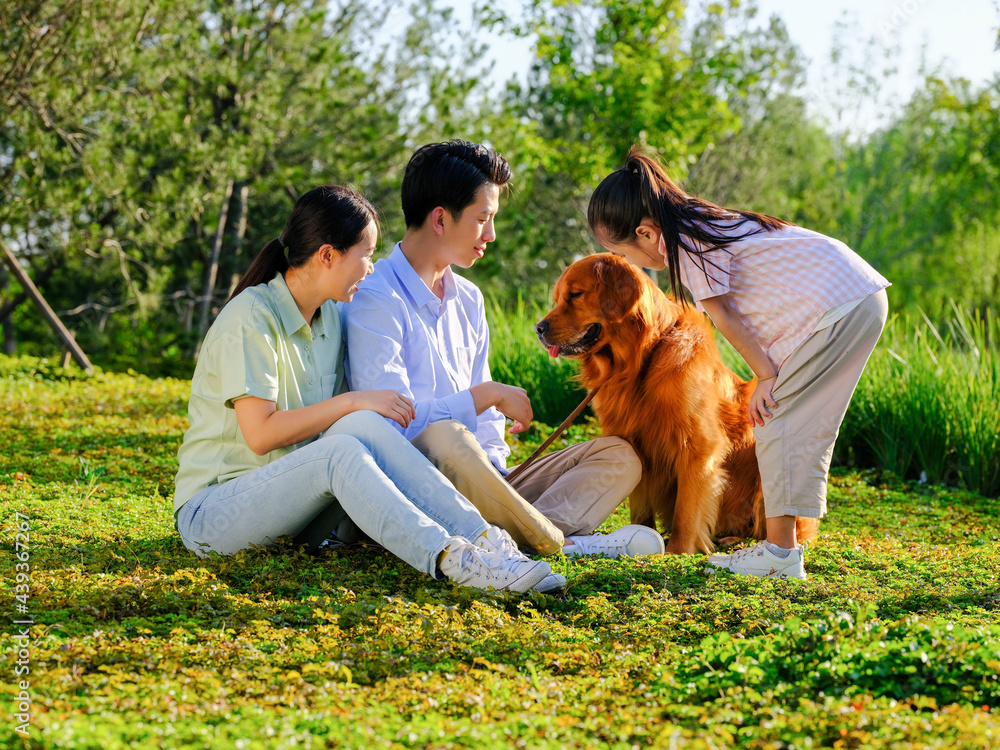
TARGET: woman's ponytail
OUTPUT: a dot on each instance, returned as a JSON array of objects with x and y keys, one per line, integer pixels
[
  {"x": 334, "y": 215},
  {"x": 639, "y": 190},
  {"x": 271, "y": 260},
  {"x": 664, "y": 202}
]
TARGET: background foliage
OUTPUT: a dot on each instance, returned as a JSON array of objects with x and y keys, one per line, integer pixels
[{"x": 148, "y": 148}]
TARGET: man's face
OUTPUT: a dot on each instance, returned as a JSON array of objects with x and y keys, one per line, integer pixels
[{"x": 466, "y": 236}]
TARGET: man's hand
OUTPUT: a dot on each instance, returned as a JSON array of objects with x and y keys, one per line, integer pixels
[
  {"x": 509, "y": 400},
  {"x": 514, "y": 403}
]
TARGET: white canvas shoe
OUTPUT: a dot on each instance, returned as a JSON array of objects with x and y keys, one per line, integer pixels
[
  {"x": 467, "y": 565},
  {"x": 498, "y": 541},
  {"x": 760, "y": 561},
  {"x": 628, "y": 541},
  {"x": 552, "y": 583}
]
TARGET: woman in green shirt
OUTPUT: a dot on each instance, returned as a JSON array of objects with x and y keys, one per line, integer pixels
[{"x": 277, "y": 446}]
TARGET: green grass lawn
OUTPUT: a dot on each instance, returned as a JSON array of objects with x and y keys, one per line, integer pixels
[{"x": 892, "y": 642}]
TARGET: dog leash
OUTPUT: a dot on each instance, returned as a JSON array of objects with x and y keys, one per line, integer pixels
[{"x": 517, "y": 470}]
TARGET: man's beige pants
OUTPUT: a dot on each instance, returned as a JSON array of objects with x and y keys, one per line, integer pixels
[
  {"x": 566, "y": 492},
  {"x": 812, "y": 393}
]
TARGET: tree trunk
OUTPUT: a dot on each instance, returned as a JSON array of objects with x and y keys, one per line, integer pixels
[
  {"x": 7, "y": 311},
  {"x": 241, "y": 231},
  {"x": 6, "y": 319},
  {"x": 213, "y": 265},
  {"x": 9, "y": 337},
  {"x": 43, "y": 306}
]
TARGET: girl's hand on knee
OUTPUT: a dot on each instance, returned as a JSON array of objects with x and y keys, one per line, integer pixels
[
  {"x": 391, "y": 404},
  {"x": 761, "y": 401}
]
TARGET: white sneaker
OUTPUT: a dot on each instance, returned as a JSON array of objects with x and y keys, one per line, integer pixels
[
  {"x": 552, "y": 583},
  {"x": 628, "y": 541},
  {"x": 499, "y": 542},
  {"x": 760, "y": 561},
  {"x": 467, "y": 565}
]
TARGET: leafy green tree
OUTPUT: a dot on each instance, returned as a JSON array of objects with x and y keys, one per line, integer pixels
[
  {"x": 607, "y": 74},
  {"x": 779, "y": 162},
  {"x": 181, "y": 147},
  {"x": 920, "y": 197},
  {"x": 780, "y": 159}
]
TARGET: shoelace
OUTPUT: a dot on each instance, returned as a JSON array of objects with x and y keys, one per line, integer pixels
[
  {"x": 488, "y": 571},
  {"x": 757, "y": 549},
  {"x": 603, "y": 545},
  {"x": 505, "y": 547}
]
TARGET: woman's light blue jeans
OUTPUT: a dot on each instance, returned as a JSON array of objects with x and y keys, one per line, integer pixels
[{"x": 362, "y": 469}]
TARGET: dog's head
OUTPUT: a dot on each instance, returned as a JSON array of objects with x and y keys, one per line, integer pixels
[{"x": 603, "y": 301}]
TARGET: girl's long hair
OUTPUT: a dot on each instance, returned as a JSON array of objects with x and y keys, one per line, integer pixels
[
  {"x": 641, "y": 189},
  {"x": 327, "y": 215}
]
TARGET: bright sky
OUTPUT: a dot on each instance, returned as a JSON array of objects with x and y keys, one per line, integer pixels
[
  {"x": 960, "y": 33},
  {"x": 960, "y": 36}
]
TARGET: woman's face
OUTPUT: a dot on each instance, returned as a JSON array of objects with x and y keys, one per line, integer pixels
[
  {"x": 644, "y": 251},
  {"x": 350, "y": 268}
]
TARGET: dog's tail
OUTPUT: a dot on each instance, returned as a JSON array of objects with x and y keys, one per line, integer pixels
[{"x": 806, "y": 528}]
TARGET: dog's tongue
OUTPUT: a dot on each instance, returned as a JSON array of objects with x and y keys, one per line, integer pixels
[{"x": 553, "y": 351}]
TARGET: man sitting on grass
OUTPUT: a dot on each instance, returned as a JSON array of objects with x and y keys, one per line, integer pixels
[{"x": 417, "y": 327}]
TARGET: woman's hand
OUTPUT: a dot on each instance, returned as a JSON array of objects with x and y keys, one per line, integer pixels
[
  {"x": 266, "y": 428},
  {"x": 391, "y": 404},
  {"x": 761, "y": 400},
  {"x": 722, "y": 313}
]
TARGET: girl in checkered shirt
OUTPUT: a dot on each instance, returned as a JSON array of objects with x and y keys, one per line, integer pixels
[{"x": 802, "y": 309}]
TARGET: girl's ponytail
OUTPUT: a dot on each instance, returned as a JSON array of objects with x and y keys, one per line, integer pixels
[
  {"x": 640, "y": 190},
  {"x": 664, "y": 202},
  {"x": 643, "y": 190}
]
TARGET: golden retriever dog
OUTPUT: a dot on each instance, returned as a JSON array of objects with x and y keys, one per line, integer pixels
[{"x": 664, "y": 389}]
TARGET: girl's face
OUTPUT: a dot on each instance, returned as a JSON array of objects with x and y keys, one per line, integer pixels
[
  {"x": 643, "y": 251},
  {"x": 349, "y": 269}
]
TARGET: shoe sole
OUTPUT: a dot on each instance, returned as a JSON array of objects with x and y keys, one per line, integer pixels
[
  {"x": 712, "y": 569},
  {"x": 555, "y": 585},
  {"x": 656, "y": 542},
  {"x": 533, "y": 577},
  {"x": 529, "y": 580}
]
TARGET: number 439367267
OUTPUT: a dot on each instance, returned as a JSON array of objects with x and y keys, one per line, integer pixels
[{"x": 21, "y": 553}]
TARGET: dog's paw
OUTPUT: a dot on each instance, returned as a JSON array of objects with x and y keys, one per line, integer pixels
[{"x": 728, "y": 541}]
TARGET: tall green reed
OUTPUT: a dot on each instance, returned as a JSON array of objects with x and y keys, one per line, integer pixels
[{"x": 928, "y": 405}]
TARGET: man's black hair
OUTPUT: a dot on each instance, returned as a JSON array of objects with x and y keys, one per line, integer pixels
[{"x": 449, "y": 175}]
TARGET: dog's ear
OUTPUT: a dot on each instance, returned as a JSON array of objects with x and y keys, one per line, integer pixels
[{"x": 620, "y": 287}]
